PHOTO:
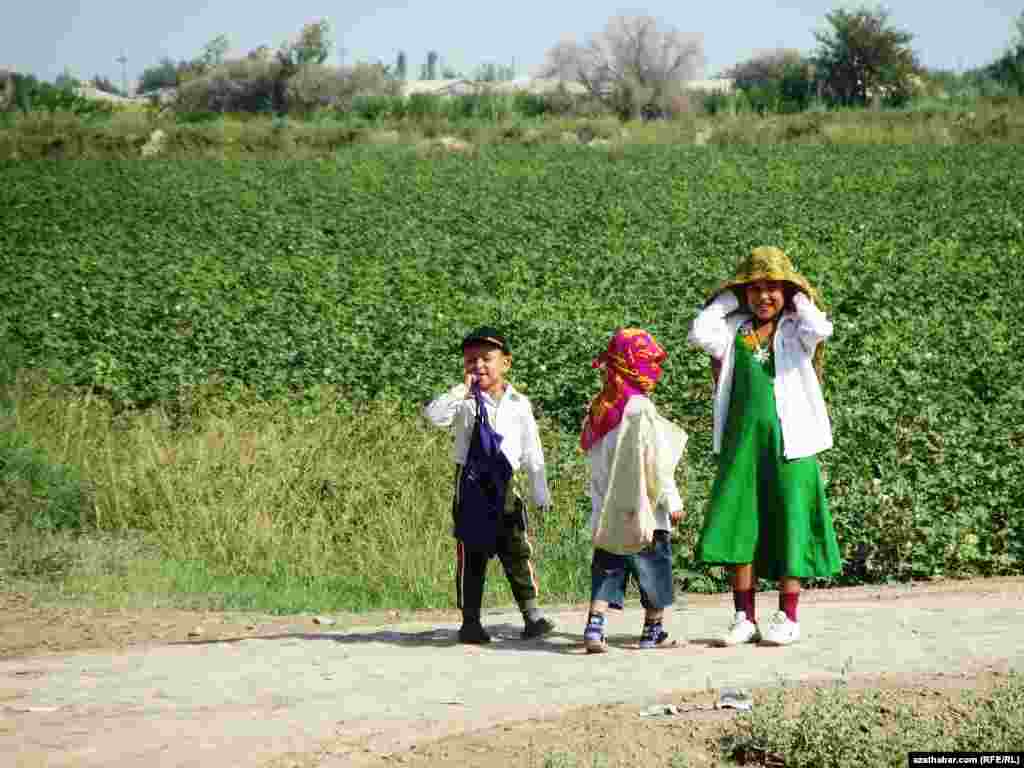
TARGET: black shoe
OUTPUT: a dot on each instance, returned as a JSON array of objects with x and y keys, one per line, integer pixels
[
  {"x": 538, "y": 628},
  {"x": 473, "y": 633}
]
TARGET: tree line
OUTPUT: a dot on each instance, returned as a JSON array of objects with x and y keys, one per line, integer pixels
[{"x": 635, "y": 65}]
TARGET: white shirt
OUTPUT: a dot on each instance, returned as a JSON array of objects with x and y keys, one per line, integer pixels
[
  {"x": 601, "y": 454},
  {"x": 511, "y": 417},
  {"x": 806, "y": 428}
]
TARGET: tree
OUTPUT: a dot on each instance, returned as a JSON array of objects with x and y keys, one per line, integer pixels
[
  {"x": 314, "y": 43},
  {"x": 430, "y": 68},
  {"x": 312, "y": 46},
  {"x": 401, "y": 66},
  {"x": 66, "y": 81},
  {"x": 260, "y": 53},
  {"x": 764, "y": 67},
  {"x": 494, "y": 73},
  {"x": 214, "y": 52},
  {"x": 863, "y": 57},
  {"x": 1009, "y": 68},
  {"x": 163, "y": 75},
  {"x": 635, "y": 57},
  {"x": 780, "y": 80}
]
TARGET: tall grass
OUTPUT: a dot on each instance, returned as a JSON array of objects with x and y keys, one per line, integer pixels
[
  {"x": 490, "y": 120},
  {"x": 324, "y": 506}
]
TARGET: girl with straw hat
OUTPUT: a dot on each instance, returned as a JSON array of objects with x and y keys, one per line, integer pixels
[{"x": 768, "y": 515}]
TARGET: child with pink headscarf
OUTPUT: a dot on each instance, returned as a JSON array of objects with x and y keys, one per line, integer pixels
[{"x": 633, "y": 455}]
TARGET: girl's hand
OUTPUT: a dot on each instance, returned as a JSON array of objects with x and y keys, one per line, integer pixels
[
  {"x": 676, "y": 516},
  {"x": 800, "y": 299},
  {"x": 728, "y": 300}
]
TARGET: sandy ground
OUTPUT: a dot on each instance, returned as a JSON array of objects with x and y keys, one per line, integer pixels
[{"x": 88, "y": 688}]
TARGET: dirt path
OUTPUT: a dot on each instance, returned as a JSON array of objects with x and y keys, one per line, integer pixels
[{"x": 288, "y": 692}]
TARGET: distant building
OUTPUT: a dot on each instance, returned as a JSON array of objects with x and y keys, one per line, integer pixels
[
  {"x": 95, "y": 94},
  {"x": 534, "y": 85}
]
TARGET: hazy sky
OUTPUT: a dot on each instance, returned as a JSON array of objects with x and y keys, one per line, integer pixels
[{"x": 45, "y": 36}]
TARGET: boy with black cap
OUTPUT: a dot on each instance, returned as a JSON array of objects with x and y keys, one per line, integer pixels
[{"x": 495, "y": 435}]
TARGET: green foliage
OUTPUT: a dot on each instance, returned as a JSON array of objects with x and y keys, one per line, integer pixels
[
  {"x": 214, "y": 52},
  {"x": 779, "y": 81},
  {"x": 34, "y": 492},
  {"x": 313, "y": 45},
  {"x": 430, "y": 66},
  {"x": 370, "y": 107},
  {"x": 492, "y": 72},
  {"x": 863, "y": 57},
  {"x": 1009, "y": 67},
  {"x": 146, "y": 280},
  {"x": 163, "y": 75},
  {"x": 33, "y": 94},
  {"x": 842, "y": 729}
]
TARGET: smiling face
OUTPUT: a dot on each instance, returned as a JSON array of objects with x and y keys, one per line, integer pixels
[
  {"x": 766, "y": 298},
  {"x": 488, "y": 365}
]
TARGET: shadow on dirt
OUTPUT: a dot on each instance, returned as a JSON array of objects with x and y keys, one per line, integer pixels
[{"x": 505, "y": 638}]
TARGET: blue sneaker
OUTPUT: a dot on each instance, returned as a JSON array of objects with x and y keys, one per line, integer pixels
[
  {"x": 593, "y": 635},
  {"x": 653, "y": 635}
]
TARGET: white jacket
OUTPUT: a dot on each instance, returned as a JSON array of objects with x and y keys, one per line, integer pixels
[
  {"x": 667, "y": 443},
  {"x": 806, "y": 428},
  {"x": 511, "y": 417}
]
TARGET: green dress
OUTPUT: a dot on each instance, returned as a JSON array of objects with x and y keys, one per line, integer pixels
[{"x": 765, "y": 509}]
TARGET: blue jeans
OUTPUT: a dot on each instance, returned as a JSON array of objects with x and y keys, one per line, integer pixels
[{"x": 651, "y": 569}]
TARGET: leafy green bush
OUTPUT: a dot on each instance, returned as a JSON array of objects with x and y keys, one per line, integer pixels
[{"x": 32, "y": 94}]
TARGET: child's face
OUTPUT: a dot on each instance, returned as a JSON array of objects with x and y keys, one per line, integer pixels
[
  {"x": 766, "y": 298},
  {"x": 487, "y": 365}
]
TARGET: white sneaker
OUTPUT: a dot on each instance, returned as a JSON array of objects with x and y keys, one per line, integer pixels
[
  {"x": 781, "y": 631},
  {"x": 740, "y": 631}
]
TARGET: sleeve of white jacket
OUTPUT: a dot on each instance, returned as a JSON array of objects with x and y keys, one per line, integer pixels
[
  {"x": 533, "y": 460},
  {"x": 812, "y": 324},
  {"x": 709, "y": 330},
  {"x": 441, "y": 410}
]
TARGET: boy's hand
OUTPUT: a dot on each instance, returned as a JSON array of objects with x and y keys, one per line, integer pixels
[{"x": 469, "y": 379}]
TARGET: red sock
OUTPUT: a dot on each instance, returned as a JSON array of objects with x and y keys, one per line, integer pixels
[
  {"x": 787, "y": 604},
  {"x": 743, "y": 599}
]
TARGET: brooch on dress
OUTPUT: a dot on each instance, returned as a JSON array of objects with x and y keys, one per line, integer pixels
[{"x": 761, "y": 353}]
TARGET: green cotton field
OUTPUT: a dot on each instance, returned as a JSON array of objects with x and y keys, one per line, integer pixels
[{"x": 226, "y": 358}]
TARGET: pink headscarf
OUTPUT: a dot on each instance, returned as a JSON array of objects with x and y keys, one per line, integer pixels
[{"x": 633, "y": 362}]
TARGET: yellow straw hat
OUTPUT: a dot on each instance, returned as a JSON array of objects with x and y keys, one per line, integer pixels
[{"x": 767, "y": 262}]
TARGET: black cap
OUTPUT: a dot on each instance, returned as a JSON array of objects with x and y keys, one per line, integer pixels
[{"x": 485, "y": 334}]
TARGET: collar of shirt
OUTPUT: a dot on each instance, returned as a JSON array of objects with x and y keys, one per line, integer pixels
[{"x": 510, "y": 395}]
